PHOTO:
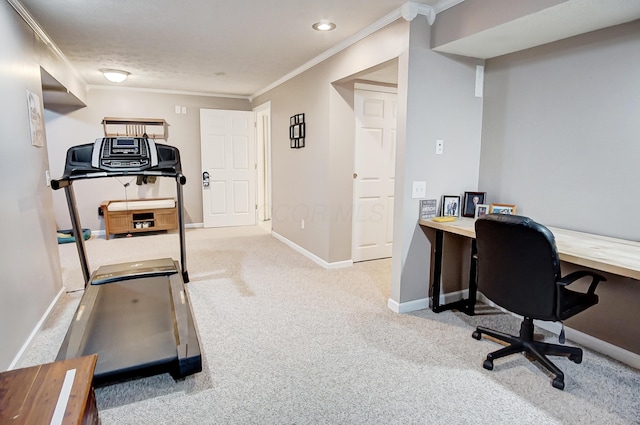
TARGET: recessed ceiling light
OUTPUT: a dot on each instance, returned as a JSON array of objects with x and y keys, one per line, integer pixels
[
  {"x": 115, "y": 75},
  {"x": 323, "y": 26}
]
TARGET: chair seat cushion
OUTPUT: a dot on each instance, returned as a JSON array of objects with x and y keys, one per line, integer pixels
[{"x": 142, "y": 204}]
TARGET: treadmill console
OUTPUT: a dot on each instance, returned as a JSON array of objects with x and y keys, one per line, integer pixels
[{"x": 124, "y": 154}]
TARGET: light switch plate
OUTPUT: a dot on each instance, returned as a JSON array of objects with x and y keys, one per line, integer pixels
[{"x": 419, "y": 190}]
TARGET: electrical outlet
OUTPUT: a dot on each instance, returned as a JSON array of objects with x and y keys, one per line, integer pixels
[{"x": 439, "y": 147}]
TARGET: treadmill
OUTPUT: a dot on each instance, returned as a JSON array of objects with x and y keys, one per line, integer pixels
[{"x": 136, "y": 315}]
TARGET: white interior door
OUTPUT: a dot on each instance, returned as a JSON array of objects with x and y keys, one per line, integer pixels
[
  {"x": 228, "y": 168},
  {"x": 374, "y": 176}
]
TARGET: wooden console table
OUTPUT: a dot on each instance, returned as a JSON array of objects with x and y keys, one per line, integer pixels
[
  {"x": 139, "y": 215},
  {"x": 59, "y": 393}
]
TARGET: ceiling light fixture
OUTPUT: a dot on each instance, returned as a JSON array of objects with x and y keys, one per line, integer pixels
[
  {"x": 115, "y": 75},
  {"x": 324, "y": 26}
]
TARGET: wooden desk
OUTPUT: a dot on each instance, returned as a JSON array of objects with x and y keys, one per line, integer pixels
[
  {"x": 50, "y": 394},
  {"x": 611, "y": 255}
]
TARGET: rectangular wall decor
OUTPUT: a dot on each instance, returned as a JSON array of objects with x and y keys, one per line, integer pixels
[{"x": 296, "y": 131}]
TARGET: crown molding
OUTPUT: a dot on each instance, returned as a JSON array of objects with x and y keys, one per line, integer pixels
[
  {"x": 42, "y": 35},
  {"x": 165, "y": 91},
  {"x": 406, "y": 11},
  {"x": 445, "y": 4}
]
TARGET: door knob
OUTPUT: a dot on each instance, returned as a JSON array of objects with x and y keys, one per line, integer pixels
[{"x": 355, "y": 175}]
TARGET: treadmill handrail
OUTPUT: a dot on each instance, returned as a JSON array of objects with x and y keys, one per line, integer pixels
[{"x": 66, "y": 180}]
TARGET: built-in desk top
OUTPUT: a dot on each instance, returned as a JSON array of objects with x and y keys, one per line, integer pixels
[{"x": 617, "y": 256}]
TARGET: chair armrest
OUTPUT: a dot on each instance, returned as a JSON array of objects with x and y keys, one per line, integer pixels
[{"x": 572, "y": 277}]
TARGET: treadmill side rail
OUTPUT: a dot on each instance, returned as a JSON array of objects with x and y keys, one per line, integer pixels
[{"x": 187, "y": 345}]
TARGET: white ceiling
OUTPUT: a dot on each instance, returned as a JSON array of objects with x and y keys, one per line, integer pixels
[
  {"x": 232, "y": 47},
  {"x": 241, "y": 47}
]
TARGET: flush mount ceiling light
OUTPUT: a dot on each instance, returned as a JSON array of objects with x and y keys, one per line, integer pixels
[
  {"x": 324, "y": 26},
  {"x": 115, "y": 75}
]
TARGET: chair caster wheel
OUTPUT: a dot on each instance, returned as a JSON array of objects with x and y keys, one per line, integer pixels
[
  {"x": 488, "y": 364},
  {"x": 558, "y": 383},
  {"x": 576, "y": 358},
  {"x": 476, "y": 335}
]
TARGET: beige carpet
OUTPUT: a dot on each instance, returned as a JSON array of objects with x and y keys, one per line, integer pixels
[{"x": 287, "y": 342}]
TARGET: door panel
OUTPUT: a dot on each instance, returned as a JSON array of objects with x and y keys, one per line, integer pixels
[
  {"x": 227, "y": 148},
  {"x": 374, "y": 176}
]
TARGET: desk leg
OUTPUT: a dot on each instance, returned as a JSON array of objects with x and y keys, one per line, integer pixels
[
  {"x": 473, "y": 283},
  {"x": 467, "y": 306},
  {"x": 437, "y": 273}
]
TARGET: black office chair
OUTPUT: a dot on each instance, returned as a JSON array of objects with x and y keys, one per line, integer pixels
[{"x": 519, "y": 270}]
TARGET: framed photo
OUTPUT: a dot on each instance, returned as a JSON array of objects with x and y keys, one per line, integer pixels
[
  {"x": 481, "y": 209},
  {"x": 451, "y": 205},
  {"x": 503, "y": 209},
  {"x": 471, "y": 199}
]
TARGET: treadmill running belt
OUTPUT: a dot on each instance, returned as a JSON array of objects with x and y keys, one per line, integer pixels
[{"x": 131, "y": 326}]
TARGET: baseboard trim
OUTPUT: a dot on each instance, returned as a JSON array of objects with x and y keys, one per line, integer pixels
[
  {"x": 603, "y": 347},
  {"x": 408, "y": 306},
  {"x": 422, "y": 303},
  {"x": 319, "y": 261},
  {"x": 36, "y": 329}
]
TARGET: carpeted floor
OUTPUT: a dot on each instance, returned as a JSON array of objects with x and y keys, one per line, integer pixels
[{"x": 287, "y": 342}]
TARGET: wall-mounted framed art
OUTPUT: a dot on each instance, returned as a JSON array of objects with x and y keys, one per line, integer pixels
[{"x": 296, "y": 131}]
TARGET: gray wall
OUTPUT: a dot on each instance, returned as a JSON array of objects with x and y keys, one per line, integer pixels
[
  {"x": 440, "y": 104},
  {"x": 315, "y": 183},
  {"x": 560, "y": 139},
  {"x": 560, "y": 132},
  {"x": 31, "y": 275},
  {"x": 68, "y": 127}
]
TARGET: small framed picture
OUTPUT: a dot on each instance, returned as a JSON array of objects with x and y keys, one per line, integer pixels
[
  {"x": 481, "y": 209},
  {"x": 471, "y": 199},
  {"x": 502, "y": 209},
  {"x": 428, "y": 208},
  {"x": 451, "y": 205}
]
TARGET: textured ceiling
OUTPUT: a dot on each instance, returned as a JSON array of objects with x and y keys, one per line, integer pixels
[{"x": 233, "y": 47}]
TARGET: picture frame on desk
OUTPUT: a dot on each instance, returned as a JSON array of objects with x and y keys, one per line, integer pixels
[
  {"x": 481, "y": 209},
  {"x": 502, "y": 209},
  {"x": 471, "y": 199},
  {"x": 451, "y": 205},
  {"x": 428, "y": 208}
]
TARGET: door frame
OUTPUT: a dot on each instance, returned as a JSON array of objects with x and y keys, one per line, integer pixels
[
  {"x": 262, "y": 114},
  {"x": 372, "y": 88}
]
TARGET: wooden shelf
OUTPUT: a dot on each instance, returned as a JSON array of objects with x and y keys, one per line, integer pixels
[
  {"x": 118, "y": 222},
  {"x": 135, "y": 127}
]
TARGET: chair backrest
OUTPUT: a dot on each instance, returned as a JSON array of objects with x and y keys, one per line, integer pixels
[{"x": 518, "y": 265}]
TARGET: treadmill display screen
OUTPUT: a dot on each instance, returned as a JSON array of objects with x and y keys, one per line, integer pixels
[{"x": 121, "y": 142}]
